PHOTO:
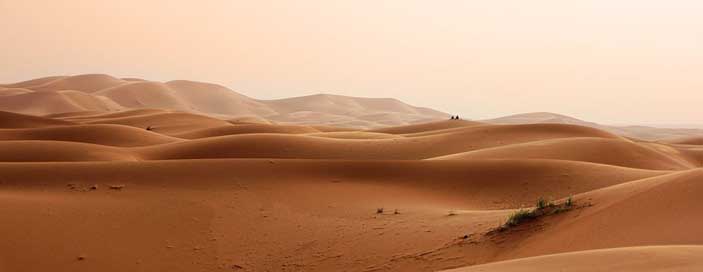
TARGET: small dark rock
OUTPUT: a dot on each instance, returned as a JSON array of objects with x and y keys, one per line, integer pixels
[{"x": 117, "y": 187}]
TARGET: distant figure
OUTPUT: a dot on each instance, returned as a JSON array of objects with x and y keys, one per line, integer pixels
[
  {"x": 457, "y": 117},
  {"x": 452, "y": 118}
]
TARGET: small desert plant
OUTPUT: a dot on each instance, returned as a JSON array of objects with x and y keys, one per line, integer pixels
[
  {"x": 396, "y": 211},
  {"x": 519, "y": 216},
  {"x": 379, "y": 210},
  {"x": 543, "y": 204},
  {"x": 542, "y": 208},
  {"x": 451, "y": 213}
]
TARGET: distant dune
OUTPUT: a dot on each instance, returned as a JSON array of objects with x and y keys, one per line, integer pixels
[
  {"x": 640, "y": 132},
  {"x": 687, "y": 140},
  {"x": 107, "y": 174},
  {"x": 15, "y": 120},
  {"x": 73, "y": 95},
  {"x": 597, "y": 150},
  {"x": 93, "y": 92}
]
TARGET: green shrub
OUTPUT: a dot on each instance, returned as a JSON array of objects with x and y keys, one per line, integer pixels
[
  {"x": 543, "y": 204},
  {"x": 569, "y": 201},
  {"x": 542, "y": 208},
  {"x": 519, "y": 216}
]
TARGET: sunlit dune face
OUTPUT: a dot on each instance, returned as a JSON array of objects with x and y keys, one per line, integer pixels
[{"x": 480, "y": 59}]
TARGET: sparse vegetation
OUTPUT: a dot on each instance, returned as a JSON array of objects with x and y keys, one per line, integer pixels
[
  {"x": 543, "y": 207},
  {"x": 451, "y": 213},
  {"x": 519, "y": 216},
  {"x": 396, "y": 211},
  {"x": 379, "y": 210},
  {"x": 543, "y": 203}
]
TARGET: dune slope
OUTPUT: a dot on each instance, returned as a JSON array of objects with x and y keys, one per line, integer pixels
[
  {"x": 165, "y": 190},
  {"x": 598, "y": 150},
  {"x": 15, "y": 120},
  {"x": 658, "y": 258}
]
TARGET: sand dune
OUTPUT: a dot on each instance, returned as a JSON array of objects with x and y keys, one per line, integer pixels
[
  {"x": 539, "y": 118},
  {"x": 144, "y": 94},
  {"x": 184, "y": 96},
  {"x": 598, "y": 150},
  {"x": 96, "y": 92},
  {"x": 13, "y": 91},
  {"x": 144, "y": 189},
  {"x": 693, "y": 154},
  {"x": 689, "y": 140},
  {"x": 87, "y": 116},
  {"x": 639, "y": 132},
  {"x": 108, "y": 93},
  {"x": 56, "y": 101},
  {"x": 32, "y": 82},
  {"x": 359, "y": 135},
  {"x": 342, "y": 105},
  {"x": 200, "y": 96},
  {"x": 14, "y": 120},
  {"x": 163, "y": 122},
  {"x": 236, "y": 129},
  {"x": 72, "y": 114},
  {"x": 310, "y": 147},
  {"x": 210, "y": 209},
  {"x": 57, "y": 151},
  {"x": 112, "y": 135},
  {"x": 477, "y": 184},
  {"x": 84, "y": 83},
  {"x": 628, "y": 214},
  {"x": 654, "y": 258},
  {"x": 429, "y": 126}
]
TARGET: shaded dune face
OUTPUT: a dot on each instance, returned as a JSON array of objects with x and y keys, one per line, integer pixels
[{"x": 159, "y": 189}]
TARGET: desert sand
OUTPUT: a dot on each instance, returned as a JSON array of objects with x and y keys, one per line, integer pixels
[{"x": 107, "y": 174}]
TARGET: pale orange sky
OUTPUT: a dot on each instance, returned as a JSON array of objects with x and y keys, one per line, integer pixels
[{"x": 625, "y": 61}]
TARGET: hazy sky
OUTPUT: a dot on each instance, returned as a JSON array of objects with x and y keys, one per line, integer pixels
[{"x": 624, "y": 61}]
